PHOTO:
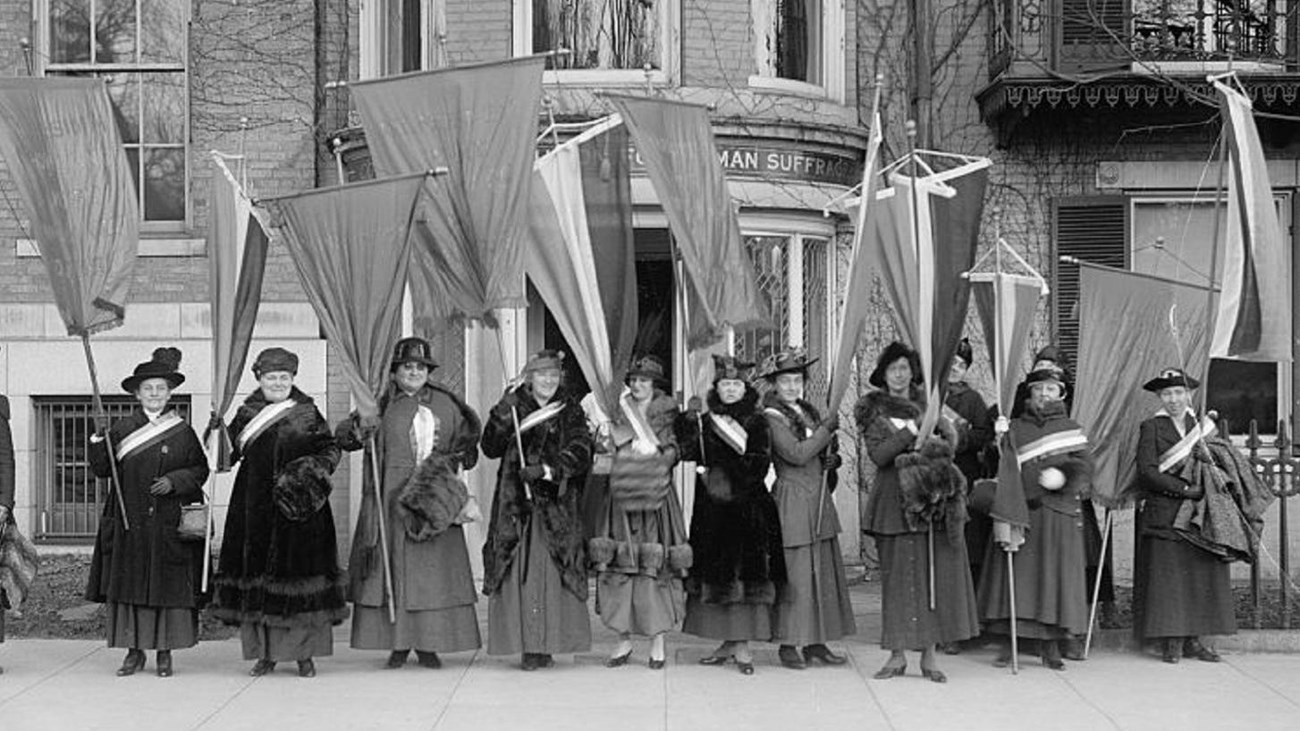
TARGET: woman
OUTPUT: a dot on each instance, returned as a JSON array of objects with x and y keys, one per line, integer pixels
[
  {"x": 142, "y": 570},
  {"x": 642, "y": 594},
  {"x": 917, "y": 514},
  {"x": 534, "y": 560},
  {"x": 424, "y": 435},
  {"x": 966, "y": 410},
  {"x": 6, "y": 500},
  {"x": 815, "y": 605},
  {"x": 1056, "y": 471},
  {"x": 278, "y": 576},
  {"x": 1183, "y": 589},
  {"x": 739, "y": 564}
]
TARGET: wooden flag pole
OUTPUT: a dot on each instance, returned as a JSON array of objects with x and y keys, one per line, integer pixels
[
  {"x": 383, "y": 528},
  {"x": 1096, "y": 584},
  {"x": 97, "y": 403},
  {"x": 1011, "y": 589}
]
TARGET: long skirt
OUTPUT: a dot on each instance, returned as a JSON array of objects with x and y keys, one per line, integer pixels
[
  {"x": 805, "y": 616},
  {"x": 1051, "y": 599},
  {"x": 533, "y": 612},
  {"x": 1183, "y": 591},
  {"x": 736, "y": 622},
  {"x": 282, "y": 644},
  {"x": 151, "y": 628},
  {"x": 907, "y": 621},
  {"x": 634, "y": 604}
]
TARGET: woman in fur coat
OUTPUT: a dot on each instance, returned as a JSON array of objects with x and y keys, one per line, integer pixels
[
  {"x": 640, "y": 592},
  {"x": 425, "y": 435},
  {"x": 814, "y": 607},
  {"x": 917, "y": 513},
  {"x": 739, "y": 564},
  {"x": 534, "y": 560},
  {"x": 1056, "y": 472},
  {"x": 278, "y": 576}
]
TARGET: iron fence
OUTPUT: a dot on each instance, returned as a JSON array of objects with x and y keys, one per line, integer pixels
[{"x": 1278, "y": 467}]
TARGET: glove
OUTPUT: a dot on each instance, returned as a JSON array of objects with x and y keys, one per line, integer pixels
[
  {"x": 1001, "y": 426},
  {"x": 532, "y": 473},
  {"x": 831, "y": 462},
  {"x": 1202, "y": 453},
  {"x": 694, "y": 406},
  {"x": 161, "y": 486},
  {"x": 101, "y": 424},
  {"x": 367, "y": 426},
  {"x": 504, "y": 408},
  {"x": 832, "y": 422}
]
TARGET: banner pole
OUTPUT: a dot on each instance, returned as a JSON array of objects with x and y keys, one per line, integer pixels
[
  {"x": 383, "y": 528},
  {"x": 97, "y": 404},
  {"x": 1096, "y": 584}
]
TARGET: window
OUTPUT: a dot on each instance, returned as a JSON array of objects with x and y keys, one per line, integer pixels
[
  {"x": 69, "y": 499},
  {"x": 609, "y": 40},
  {"x": 799, "y": 46},
  {"x": 139, "y": 48},
  {"x": 401, "y": 35}
]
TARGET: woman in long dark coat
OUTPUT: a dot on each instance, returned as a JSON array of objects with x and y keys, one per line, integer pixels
[
  {"x": 425, "y": 435},
  {"x": 1184, "y": 590},
  {"x": 278, "y": 576},
  {"x": 739, "y": 567},
  {"x": 814, "y": 607},
  {"x": 1056, "y": 472},
  {"x": 534, "y": 560},
  {"x": 147, "y": 576},
  {"x": 917, "y": 514}
]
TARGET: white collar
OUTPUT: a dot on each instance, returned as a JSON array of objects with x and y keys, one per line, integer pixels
[{"x": 1165, "y": 412}]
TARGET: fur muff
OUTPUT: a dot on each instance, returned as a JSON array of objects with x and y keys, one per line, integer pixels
[
  {"x": 432, "y": 498},
  {"x": 18, "y": 565},
  {"x": 640, "y": 481},
  {"x": 932, "y": 488},
  {"x": 302, "y": 488}
]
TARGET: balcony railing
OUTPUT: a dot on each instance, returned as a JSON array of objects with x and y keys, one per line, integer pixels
[{"x": 1080, "y": 36}]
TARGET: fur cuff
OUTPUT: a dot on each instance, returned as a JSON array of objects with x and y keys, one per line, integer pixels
[
  {"x": 301, "y": 488},
  {"x": 432, "y": 498}
]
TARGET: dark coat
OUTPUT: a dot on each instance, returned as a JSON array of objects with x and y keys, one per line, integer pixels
[
  {"x": 735, "y": 530},
  {"x": 6, "y": 457},
  {"x": 272, "y": 564},
  {"x": 148, "y": 565},
  {"x": 562, "y": 443},
  {"x": 799, "y": 443},
  {"x": 974, "y": 431},
  {"x": 1163, "y": 493}
]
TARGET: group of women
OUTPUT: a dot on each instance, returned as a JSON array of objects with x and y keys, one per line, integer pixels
[{"x": 760, "y": 563}]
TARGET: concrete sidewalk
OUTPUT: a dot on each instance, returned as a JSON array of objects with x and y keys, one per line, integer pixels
[{"x": 69, "y": 684}]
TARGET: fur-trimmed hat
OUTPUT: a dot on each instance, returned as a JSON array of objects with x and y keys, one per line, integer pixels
[
  {"x": 790, "y": 360},
  {"x": 413, "y": 350},
  {"x": 272, "y": 360},
  {"x": 891, "y": 353},
  {"x": 729, "y": 366},
  {"x": 544, "y": 359},
  {"x": 647, "y": 366},
  {"x": 163, "y": 364},
  {"x": 1171, "y": 377}
]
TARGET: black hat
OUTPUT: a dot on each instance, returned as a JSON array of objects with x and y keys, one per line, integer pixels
[
  {"x": 647, "y": 366},
  {"x": 1171, "y": 377},
  {"x": 729, "y": 366},
  {"x": 273, "y": 360},
  {"x": 544, "y": 359},
  {"x": 965, "y": 352},
  {"x": 1051, "y": 374},
  {"x": 163, "y": 365},
  {"x": 790, "y": 360},
  {"x": 413, "y": 350},
  {"x": 893, "y": 352},
  {"x": 1051, "y": 354}
]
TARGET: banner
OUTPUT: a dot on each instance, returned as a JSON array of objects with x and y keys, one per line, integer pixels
[
  {"x": 1006, "y": 304},
  {"x": 61, "y": 144}
]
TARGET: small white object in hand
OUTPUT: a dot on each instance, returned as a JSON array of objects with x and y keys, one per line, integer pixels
[{"x": 1051, "y": 479}]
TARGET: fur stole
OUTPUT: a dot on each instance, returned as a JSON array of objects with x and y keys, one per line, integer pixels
[
  {"x": 432, "y": 498},
  {"x": 801, "y": 420},
  {"x": 880, "y": 404},
  {"x": 19, "y": 562},
  {"x": 741, "y": 411}
]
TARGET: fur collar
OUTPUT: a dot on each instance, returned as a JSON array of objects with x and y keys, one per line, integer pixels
[
  {"x": 802, "y": 420},
  {"x": 255, "y": 402},
  {"x": 881, "y": 403},
  {"x": 740, "y": 411}
]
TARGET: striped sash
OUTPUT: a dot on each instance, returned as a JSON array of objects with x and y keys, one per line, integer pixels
[
  {"x": 730, "y": 432},
  {"x": 149, "y": 434},
  {"x": 265, "y": 418},
  {"x": 637, "y": 420},
  {"x": 540, "y": 416},
  {"x": 1175, "y": 455},
  {"x": 1061, "y": 442}
]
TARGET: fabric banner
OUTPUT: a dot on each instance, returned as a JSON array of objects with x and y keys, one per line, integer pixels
[
  {"x": 237, "y": 247},
  {"x": 1006, "y": 304},
  {"x": 1252, "y": 321},
  {"x": 580, "y": 256},
  {"x": 351, "y": 246},
  {"x": 63, "y": 150},
  {"x": 675, "y": 140},
  {"x": 479, "y": 122},
  {"x": 1131, "y": 326},
  {"x": 856, "y": 299}
]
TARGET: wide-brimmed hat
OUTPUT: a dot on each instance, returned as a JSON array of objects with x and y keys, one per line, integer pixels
[
  {"x": 274, "y": 360},
  {"x": 413, "y": 350},
  {"x": 729, "y": 366},
  {"x": 544, "y": 359},
  {"x": 891, "y": 353},
  {"x": 1047, "y": 375},
  {"x": 163, "y": 364},
  {"x": 647, "y": 366},
  {"x": 1171, "y": 377},
  {"x": 790, "y": 360}
]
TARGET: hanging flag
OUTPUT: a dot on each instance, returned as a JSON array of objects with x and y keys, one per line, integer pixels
[
  {"x": 1253, "y": 320},
  {"x": 351, "y": 246},
  {"x": 237, "y": 247},
  {"x": 62, "y": 147},
  {"x": 479, "y": 122},
  {"x": 1130, "y": 326},
  {"x": 1006, "y": 304},
  {"x": 580, "y": 256},
  {"x": 676, "y": 142}
]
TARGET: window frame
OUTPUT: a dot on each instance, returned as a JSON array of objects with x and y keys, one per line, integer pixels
[
  {"x": 42, "y": 27},
  {"x": 668, "y": 73},
  {"x": 832, "y": 65},
  {"x": 376, "y": 37}
]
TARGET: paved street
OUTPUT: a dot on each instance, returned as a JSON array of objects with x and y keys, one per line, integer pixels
[{"x": 65, "y": 684}]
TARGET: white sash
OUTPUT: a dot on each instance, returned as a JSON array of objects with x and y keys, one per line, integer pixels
[
  {"x": 1059, "y": 443},
  {"x": 1183, "y": 449},
  {"x": 541, "y": 416},
  {"x": 637, "y": 420},
  {"x": 148, "y": 434},
  {"x": 265, "y": 418},
  {"x": 730, "y": 431}
]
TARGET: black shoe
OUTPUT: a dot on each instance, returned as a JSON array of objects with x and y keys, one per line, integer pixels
[
  {"x": 164, "y": 663},
  {"x": 428, "y": 659},
  {"x": 823, "y": 653},
  {"x": 654, "y": 664},
  {"x": 396, "y": 659},
  {"x": 262, "y": 667},
  {"x": 1004, "y": 656},
  {"x": 1051, "y": 654},
  {"x": 891, "y": 671},
  {"x": 1192, "y": 647},
  {"x": 544, "y": 660},
  {"x": 933, "y": 675},
  {"x": 951, "y": 648},
  {"x": 746, "y": 668},
  {"x": 618, "y": 661},
  {"x": 133, "y": 663},
  {"x": 1170, "y": 652},
  {"x": 1074, "y": 650},
  {"x": 715, "y": 659},
  {"x": 790, "y": 658},
  {"x": 534, "y": 660},
  {"x": 306, "y": 668}
]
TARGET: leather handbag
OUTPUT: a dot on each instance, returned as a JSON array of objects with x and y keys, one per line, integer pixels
[{"x": 193, "y": 525}]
